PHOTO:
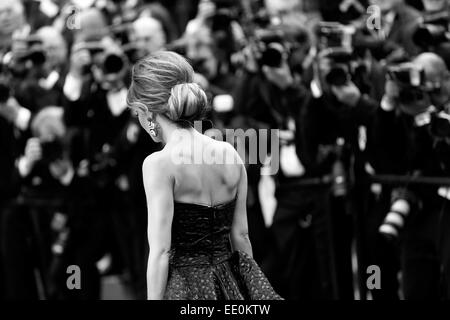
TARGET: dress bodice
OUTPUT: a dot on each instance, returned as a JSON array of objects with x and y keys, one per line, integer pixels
[
  {"x": 200, "y": 233},
  {"x": 202, "y": 264}
]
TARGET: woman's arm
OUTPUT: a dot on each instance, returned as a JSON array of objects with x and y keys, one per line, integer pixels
[
  {"x": 239, "y": 229},
  {"x": 159, "y": 192}
]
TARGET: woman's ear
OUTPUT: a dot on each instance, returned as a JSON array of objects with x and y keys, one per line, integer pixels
[{"x": 142, "y": 108}]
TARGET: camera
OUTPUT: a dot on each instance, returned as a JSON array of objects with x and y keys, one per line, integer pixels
[
  {"x": 411, "y": 82},
  {"x": 28, "y": 54},
  {"x": 413, "y": 87},
  {"x": 334, "y": 42},
  {"x": 107, "y": 61},
  {"x": 334, "y": 35},
  {"x": 52, "y": 151},
  {"x": 341, "y": 65},
  {"x": 407, "y": 74},
  {"x": 269, "y": 42},
  {"x": 271, "y": 50}
]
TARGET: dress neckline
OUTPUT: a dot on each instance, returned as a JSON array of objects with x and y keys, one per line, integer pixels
[{"x": 223, "y": 204}]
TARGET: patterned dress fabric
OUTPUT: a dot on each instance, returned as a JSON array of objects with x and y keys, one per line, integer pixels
[{"x": 202, "y": 265}]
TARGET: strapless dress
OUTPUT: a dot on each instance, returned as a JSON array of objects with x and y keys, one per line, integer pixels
[{"x": 202, "y": 265}]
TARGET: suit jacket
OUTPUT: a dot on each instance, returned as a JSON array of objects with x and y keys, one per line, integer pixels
[{"x": 9, "y": 178}]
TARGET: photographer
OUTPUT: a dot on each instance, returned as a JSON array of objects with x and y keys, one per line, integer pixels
[
  {"x": 9, "y": 177},
  {"x": 96, "y": 109},
  {"x": 408, "y": 130},
  {"x": 333, "y": 119},
  {"x": 46, "y": 173},
  {"x": 42, "y": 85},
  {"x": 269, "y": 96}
]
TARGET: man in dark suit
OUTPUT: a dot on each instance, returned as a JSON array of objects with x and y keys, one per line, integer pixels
[
  {"x": 8, "y": 178},
  {"x": 406, "y": 146},
  {"x": 14, "y": 120}
]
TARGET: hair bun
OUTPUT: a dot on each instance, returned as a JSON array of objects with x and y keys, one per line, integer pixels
[{"x": 187, "y": 102}]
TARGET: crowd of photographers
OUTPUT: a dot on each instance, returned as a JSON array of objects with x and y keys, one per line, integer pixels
[{"x": 360, "y": 94}]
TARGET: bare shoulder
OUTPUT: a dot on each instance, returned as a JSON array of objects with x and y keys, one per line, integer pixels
[
  {"x": 157, "y": 166},
  {"x": 230, "y": 152}
]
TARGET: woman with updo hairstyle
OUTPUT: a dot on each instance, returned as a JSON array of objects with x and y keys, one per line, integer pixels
[{"x": 196, "y": 190}]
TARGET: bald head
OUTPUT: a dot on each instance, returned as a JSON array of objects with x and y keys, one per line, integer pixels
[
  {"x": 54, "y": 45},
  {"x": 147, "y": 24},
  {"x": 436, "y": 73},
  {"x": 149, "y": 34},
  {"x": 92, "y": 25},
  {"x": 433, "y": 65}
]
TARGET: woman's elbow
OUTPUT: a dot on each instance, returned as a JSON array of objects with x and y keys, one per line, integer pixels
[
  {"x": 240, "y": 236},
  {"x": 159, "y": 253},
  {"x": 241, "y": 241}
]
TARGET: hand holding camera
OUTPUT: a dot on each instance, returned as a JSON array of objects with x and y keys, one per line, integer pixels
[
  {"x": 9, "y": 109},
  {"x": 79, "y": 60},
  {"x": 33, "y": 153},
  {"x": 406, "y": 86},
  {"x": 279, "y": 76}
]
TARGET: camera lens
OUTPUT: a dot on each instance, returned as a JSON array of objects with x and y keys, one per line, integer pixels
[
  {"x": 51, "y": 151},
  {"x": 272, "y": 55},
  {"x": 37, "y": 57},
  {"x": 337, "y": 76},
  {"x": 113, "y": 64},
  {"x": 408, "y": 96},
  {"x": 272, "y": 58}
]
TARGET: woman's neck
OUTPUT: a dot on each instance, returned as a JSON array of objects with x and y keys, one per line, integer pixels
[{"x": 171, "y": 133}]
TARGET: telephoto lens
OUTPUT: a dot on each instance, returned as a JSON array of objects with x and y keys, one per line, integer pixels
[
  {"x": 113, "y": 63},
  {"x": 395, "y": 220},
  {"x": 272, "y": 56},
  {"x": 337, "y": 76}
]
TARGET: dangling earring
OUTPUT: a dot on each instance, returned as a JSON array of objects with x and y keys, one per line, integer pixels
[{"x": 153, "y": 128}]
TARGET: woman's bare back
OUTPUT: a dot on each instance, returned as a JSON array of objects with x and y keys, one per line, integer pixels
[{"x": 209, "y": 175}]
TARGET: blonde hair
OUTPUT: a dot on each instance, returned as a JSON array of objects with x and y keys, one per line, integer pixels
[{"x": 162, "y": 83}]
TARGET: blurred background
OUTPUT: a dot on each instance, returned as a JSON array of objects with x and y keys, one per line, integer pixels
[{"x": 360, "y": 94}]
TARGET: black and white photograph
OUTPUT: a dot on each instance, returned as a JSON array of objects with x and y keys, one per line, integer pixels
[{"x": 258, "y": 153}]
